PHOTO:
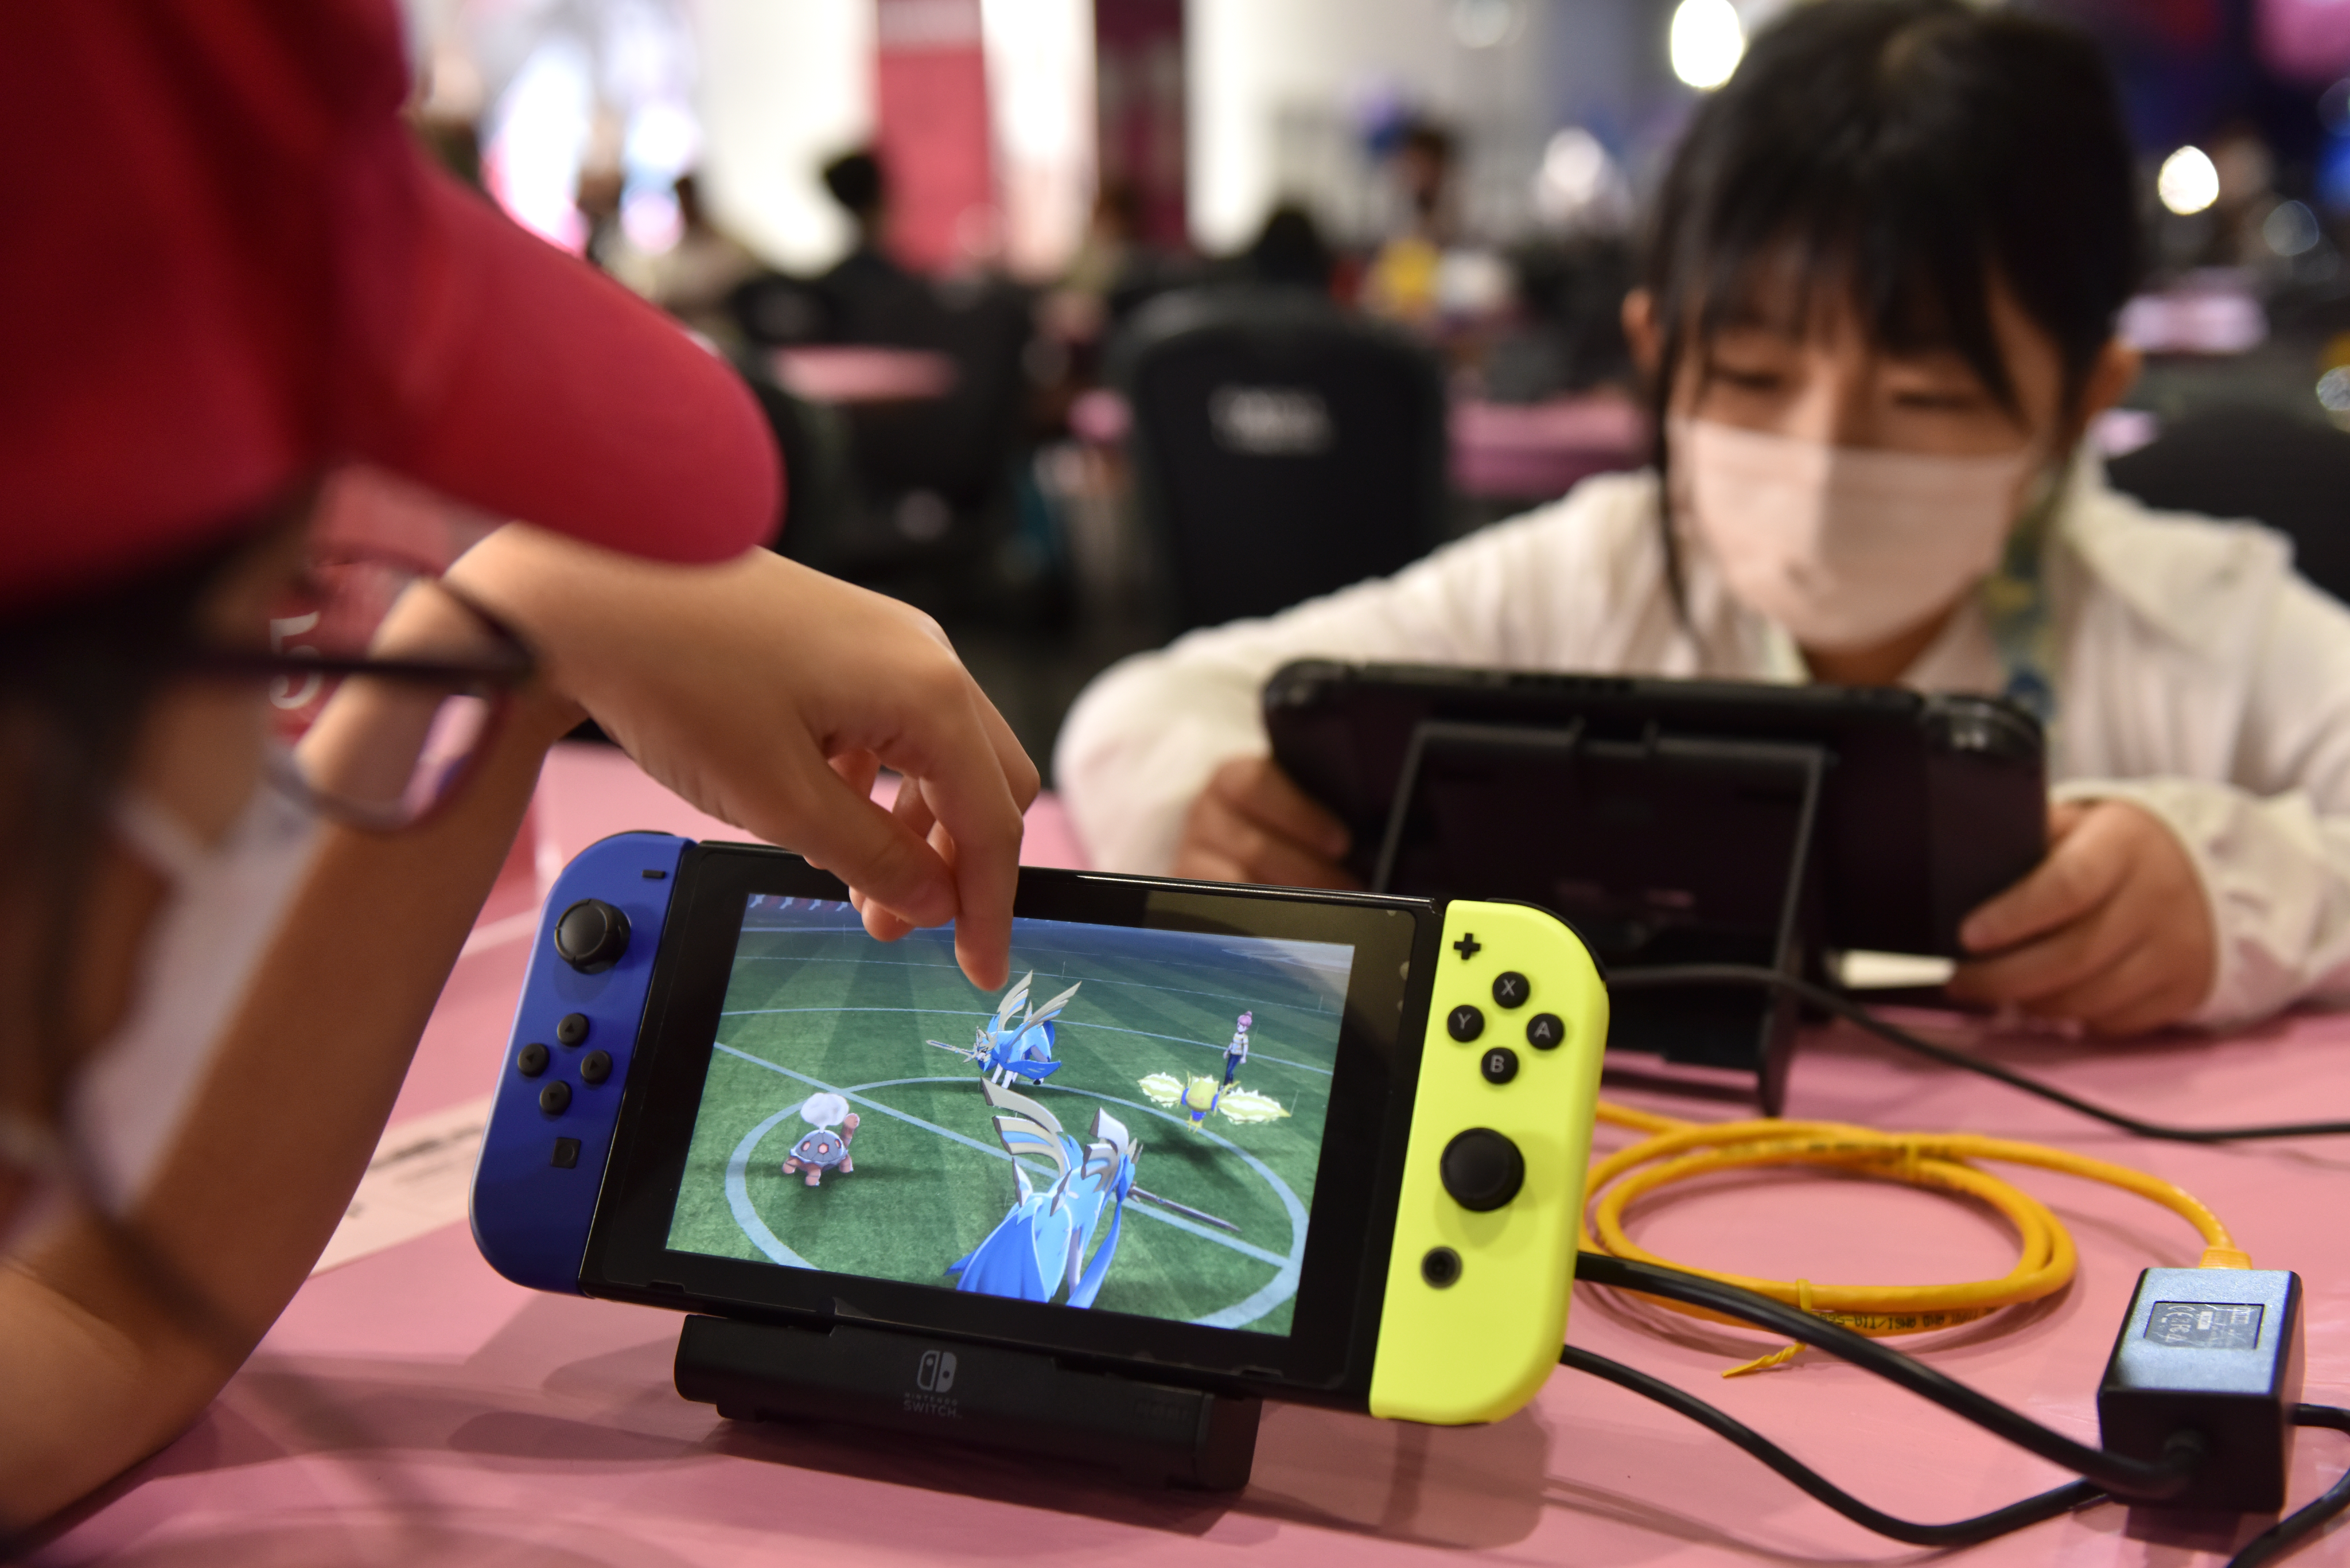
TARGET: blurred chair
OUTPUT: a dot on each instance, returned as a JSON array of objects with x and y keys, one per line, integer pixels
[
  {"x": 819, "y": 488},
  {"x": 774, "y": 310},
  {"x": 2268, "y": 464},
  {"x": 912, "y": 489},
  {"x": 1282, "y": 448}
]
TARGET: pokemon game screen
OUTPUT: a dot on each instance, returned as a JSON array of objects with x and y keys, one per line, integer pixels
[{"x": 1132, "y": 1124}]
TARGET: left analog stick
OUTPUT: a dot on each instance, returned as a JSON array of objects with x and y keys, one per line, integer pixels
[{"x": 591, "y": 936}]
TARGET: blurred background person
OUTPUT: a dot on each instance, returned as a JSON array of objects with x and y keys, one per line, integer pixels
[
  {"x": 694, "y": 277},
  {"x": 870, "y": 296},
  {"x": 1402, "y": 278}
]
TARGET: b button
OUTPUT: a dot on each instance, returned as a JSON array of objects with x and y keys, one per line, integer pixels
[
  {"x": 1464, "y": 1023},
  {"x": 1545, "y": 1032},
  {"x": 1500, "y": 1065}
]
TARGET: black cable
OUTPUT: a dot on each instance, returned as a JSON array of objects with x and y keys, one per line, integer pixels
[
  {"x": 2135, "y": 1481},
  {"x": 1668, "y": 976},
  {"x": 2289, "y": 1531},
  {"x": 1959, "y": 1533}
]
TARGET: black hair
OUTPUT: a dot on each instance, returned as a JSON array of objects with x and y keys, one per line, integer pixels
[
  {"x": 856, "y": 182},
  {"x": 1904, "y": 154}
]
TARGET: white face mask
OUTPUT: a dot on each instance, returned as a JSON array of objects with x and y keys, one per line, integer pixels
[
  {"x": 1846, "y": 547},
  {"x": 228, "y": 901}
]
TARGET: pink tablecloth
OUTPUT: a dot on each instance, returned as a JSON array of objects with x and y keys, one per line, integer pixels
[{"x": 411, "y": 1407}]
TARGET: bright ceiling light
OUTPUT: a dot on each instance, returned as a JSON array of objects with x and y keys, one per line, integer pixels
[
  {"x": 2189, "y": 181},
  {"x": 1707, "y": 42}
]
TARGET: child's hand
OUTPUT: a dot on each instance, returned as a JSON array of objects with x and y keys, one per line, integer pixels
[
  {"x": 2110, "y": 930},
  {"x": 769, "y": 695},
  {"x": 1252, "y": 825}
]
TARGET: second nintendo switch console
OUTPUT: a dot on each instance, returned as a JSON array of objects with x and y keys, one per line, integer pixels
[{"x": 1246, "y": 1141}]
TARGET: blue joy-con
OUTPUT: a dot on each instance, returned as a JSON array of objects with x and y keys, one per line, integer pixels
[{"x": 574, "y": 1035}]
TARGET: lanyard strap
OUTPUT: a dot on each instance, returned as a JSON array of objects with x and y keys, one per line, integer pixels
[{"x": 2017, "y": 609}]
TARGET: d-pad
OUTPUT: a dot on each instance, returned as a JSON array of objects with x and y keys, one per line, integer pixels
[{"x": 1468, "y": 946}]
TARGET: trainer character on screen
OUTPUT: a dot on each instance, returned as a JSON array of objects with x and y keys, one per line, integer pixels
[
  {"x": 824, "y": 1148},
  {"x": 1236, "y": 1054},
  {"x": 1020, "y": 1050}
]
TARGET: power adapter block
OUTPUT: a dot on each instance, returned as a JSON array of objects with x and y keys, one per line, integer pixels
[{"x": 2216, "y": 1352}]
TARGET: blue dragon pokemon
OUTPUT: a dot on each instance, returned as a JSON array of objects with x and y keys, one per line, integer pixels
[
  {"x": 1038, "y": 1249},
  {"x": 1021, "y": 1050}
]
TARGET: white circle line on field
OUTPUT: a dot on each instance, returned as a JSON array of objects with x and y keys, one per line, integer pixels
[
  {"x": 1287, "y": 1268},
  {"x": 738, "y": 1193}
]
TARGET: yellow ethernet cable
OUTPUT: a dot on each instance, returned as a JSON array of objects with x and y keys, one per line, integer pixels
[{"x": 1678, "y": 1150}]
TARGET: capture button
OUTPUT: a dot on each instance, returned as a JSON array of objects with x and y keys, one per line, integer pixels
[
  {"x": 594, "y": 1067},
  {"x": 1500, "y": 1065},
  {"x": 530, "y": 1060},
  {"x": 556, "y": 1098},
  {"x": 573, "y": 1029},
  {"x": 1510, "y": 989},
  {"x": 567, "y": 1153},
  {"x": 591, "y": 936},
  {"x": 1545, "y": 1032},
  {"x": 1464, "y": 1023},
  {"x": 1482, "y": 1170}
]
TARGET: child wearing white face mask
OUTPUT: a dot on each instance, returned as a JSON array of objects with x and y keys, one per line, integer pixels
[{"x": 1876, "y": 311}]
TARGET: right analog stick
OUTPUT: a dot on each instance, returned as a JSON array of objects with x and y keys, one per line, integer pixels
[
  {"x": 1482, "y": 1170},
  {"x": 591, "y": 936}
]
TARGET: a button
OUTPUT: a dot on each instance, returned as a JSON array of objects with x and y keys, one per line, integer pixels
[
  {"x": 1464, "y": 1023},
  {"x": 1482, "y": 1170},
  {"x": 555, "y": 1098},
  {"x": 591, "y": 936},
  {"x": 1545, "y": 1032},
  {"x": 573, "y": 1029},
  {"x": 1468, "y": 946},
  {"x": 1441, "y": 1267},
  {"x": 1510, "y": 989},
  {"x": 1500, "y": 1065},
  {"x": 530, "y": 1060},
  {"x": 567, "y": 1153},
  {"x": 596, "y": 1066}
]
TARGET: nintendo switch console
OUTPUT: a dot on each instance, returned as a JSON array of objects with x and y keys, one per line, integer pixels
[
  {"x": 1653, "y": 812},
  {"x": 1247, "y": 1141},
  {"x": 1677, "y": 821}
]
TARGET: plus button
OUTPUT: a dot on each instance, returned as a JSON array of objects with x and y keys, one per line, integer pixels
[{"x": 1468, "y": 946}]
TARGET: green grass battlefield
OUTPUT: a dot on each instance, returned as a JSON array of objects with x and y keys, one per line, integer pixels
[{"x": 823, "y": 1008}]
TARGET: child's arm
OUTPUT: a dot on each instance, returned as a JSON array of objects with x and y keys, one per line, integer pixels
[
  {"x": 1142, "y": 757},
  {"x": 2173, "y": 899},
  {"x": 747, "y": 686}
]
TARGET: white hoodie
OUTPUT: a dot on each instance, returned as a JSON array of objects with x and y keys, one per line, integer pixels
[{"x": 2199, "y": 677}]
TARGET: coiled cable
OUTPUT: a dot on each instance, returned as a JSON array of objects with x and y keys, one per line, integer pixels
[{"x": 1677, "y": 1150}]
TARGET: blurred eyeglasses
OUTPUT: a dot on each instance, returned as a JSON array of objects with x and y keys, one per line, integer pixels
[{"x": 386, "y": 686}]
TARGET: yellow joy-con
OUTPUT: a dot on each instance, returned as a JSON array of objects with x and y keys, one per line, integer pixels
[{"x": 1501, "y": 1133}]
